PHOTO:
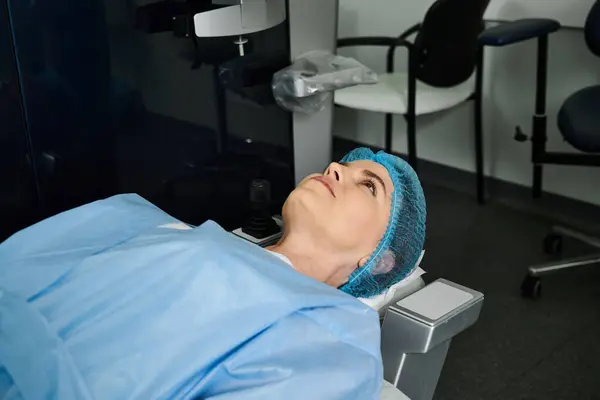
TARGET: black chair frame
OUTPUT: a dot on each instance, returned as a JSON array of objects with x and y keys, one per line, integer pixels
[{"x": 539, "y": 154}]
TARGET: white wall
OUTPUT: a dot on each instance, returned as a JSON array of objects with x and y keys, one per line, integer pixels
[{"x": 446, "y": 138}]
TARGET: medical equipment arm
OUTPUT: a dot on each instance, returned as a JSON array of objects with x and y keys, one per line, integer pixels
[
  {"x": 240, "y": 17},
  {"x": 211, "y": 19}
]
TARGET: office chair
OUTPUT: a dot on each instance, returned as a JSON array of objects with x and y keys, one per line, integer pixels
[
  {"x": 579, "y": 124},
  {"x": 442, "y": 60}
]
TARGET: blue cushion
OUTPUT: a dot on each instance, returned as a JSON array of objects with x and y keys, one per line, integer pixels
[
  {"x": 579, "y": 120},
  {"x": 518, "y": 31}
]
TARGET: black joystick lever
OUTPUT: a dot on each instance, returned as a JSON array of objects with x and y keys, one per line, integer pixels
[{"x": 260, "y": 224}]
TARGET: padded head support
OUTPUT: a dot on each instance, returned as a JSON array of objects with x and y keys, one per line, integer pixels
[
  {"x": 592, "y": 29},
  {"x": 446, "y": 46},
  {"x": 398, "y": 291}
]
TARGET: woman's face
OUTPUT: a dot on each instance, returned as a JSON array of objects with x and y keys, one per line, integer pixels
[{"x": 346, "y": 209}]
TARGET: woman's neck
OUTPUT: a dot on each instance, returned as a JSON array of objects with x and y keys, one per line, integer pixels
[{"x": 307, "y": 257}]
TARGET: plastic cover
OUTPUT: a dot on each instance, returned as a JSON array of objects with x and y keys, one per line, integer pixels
[{"x": 306, "y": 85}]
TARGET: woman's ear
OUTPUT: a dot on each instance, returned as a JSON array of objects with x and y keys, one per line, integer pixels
[
  {"x": 363, "y": 261},
  {"x": 385, "y": 263},
  {"x": 360, "y": 264}
]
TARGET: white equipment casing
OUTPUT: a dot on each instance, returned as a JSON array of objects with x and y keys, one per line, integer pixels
[{"x": 245, "y": 17}]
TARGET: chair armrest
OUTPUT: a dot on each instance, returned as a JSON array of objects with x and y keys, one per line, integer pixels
[
  {"x": 385, "y": 41},
  {"x": 399, "y": 41},
  {"x": 517, "y": 31},
  {"x": 390, "y": 42},
  {"x": 411, "y": 31}
]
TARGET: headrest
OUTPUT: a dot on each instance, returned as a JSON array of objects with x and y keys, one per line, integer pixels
[{"x": 378, "y": 303}]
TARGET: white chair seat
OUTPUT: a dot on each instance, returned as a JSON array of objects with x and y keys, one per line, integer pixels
[{"x": 390, "y": 95}]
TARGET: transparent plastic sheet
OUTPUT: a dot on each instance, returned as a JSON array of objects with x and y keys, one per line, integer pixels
[{"x": 306, "y": 85}]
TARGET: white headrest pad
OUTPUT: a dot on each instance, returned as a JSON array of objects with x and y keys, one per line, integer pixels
[{"x": 382, "y": 300}]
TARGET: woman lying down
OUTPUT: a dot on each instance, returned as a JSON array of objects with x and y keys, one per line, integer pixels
[{"x": 107, "y": 301}]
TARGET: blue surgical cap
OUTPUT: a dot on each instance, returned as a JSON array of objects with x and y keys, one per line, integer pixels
[{"x": 398, "y": 252}]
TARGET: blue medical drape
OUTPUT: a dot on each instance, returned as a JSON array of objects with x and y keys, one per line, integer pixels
[{"x": 104, "y": 302}]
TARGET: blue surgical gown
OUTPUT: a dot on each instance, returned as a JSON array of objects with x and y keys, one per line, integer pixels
[{"x": 104, "y": 302}]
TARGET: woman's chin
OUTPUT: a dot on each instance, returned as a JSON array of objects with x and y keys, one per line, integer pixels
[{"x": 308, "y": 202}]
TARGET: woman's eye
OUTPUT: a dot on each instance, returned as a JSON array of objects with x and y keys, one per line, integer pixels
[{"x": 371, "y": 186}]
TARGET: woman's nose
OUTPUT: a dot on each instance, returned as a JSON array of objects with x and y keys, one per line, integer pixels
[{"x": 334, "y": 171}]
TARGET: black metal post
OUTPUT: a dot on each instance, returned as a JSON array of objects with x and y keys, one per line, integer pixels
[
  {"x": 560, "y": 158},
  {"x": 389, "y": 118},
  {"x": 411, "y": 117},
  {"x": 389, "y": 132},
  {"x": 221, "y": 98},
  {"x": 479, "y": 127},
  {"x": 538, "y": 148}
]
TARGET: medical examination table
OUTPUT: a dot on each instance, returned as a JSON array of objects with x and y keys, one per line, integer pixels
[{"x": 418, "y": 323}]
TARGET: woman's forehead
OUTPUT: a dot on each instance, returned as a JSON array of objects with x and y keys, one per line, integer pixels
[{"x": 370, "y": 165}]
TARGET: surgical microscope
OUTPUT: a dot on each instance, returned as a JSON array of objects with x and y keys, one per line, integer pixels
[{"x": 420, "y": 321}]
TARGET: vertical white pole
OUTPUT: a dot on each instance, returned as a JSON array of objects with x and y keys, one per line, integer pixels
[{"x": 313, "y": 26}]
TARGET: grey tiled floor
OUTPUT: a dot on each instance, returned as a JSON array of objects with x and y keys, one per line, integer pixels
[{"x": 519, "y": 349}]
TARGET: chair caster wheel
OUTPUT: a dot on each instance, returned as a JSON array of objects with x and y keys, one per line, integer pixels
[
  {"x": 531, "y": 288},
  {"x": 553, "y": 244}
]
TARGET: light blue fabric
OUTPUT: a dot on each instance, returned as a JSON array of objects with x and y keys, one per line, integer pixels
[
  {"x": 400, "y": 248},
  {"x": 101, "y": 303}
]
